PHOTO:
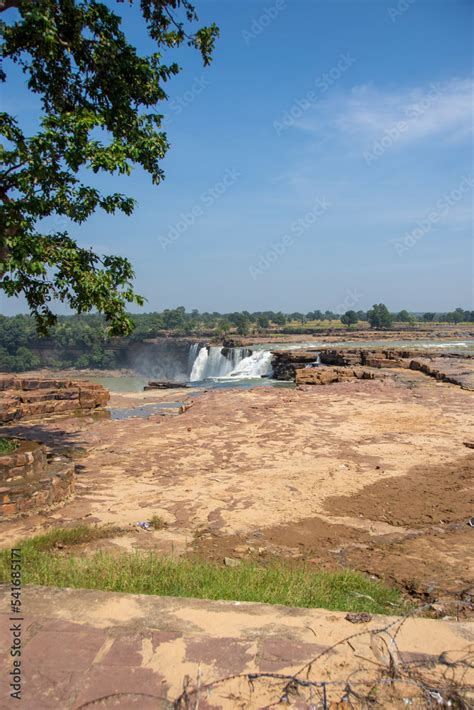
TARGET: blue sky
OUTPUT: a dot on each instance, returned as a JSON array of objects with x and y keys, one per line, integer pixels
[{"x": 323, "y": 160}]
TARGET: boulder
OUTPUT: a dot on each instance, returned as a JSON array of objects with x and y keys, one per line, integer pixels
[
  {"x": 163, "y": 385},
  {"x": 324, "y": 375}
]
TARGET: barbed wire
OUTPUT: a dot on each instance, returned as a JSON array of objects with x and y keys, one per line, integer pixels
[
  {"x": 394, "y": 667},
  {"x": 394, "y": 675}
]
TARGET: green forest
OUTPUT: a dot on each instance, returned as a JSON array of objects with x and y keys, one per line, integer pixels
[{"x": 83, "y": 341}]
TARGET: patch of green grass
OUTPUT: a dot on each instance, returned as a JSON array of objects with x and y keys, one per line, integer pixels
[
  {"x": 65, "y": 537},
  {"x": 7, "y": 446},
  {"x": 146, "y": 573}
]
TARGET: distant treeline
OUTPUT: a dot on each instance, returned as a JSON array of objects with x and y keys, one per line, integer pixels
[{"x": 81, "y": 341}]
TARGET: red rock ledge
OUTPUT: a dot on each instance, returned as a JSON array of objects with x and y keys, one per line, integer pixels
[
  {"x": 29, "y": 482},
  {"x": 25, "y": 397}
]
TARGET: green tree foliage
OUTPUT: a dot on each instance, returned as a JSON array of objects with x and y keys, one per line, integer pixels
[
  {"x": 314, "y": 315},
  {"x": 99, "y": 102},
  {"x": 83, "y": 341},
  {"x": 279, "y": 318},
  {"x": 22, "y": 359},
  {"x": 79, "y": 341},
  {"x": 224, "y": 327},
  {"x": 297, "y": 317},
  {"x": 349, "y": 318},
  {"x": 405, "y": 317},
  {"x": 458, "y": 316},
  {"x": 379, "y": 316},
  {"x": 241, "y": 321}
]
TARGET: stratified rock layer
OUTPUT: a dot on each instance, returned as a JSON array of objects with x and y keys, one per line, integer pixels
[
  {"x": 457, "y": 371},
  {"x": 23, "y": 397},
  {"x": 28, "y": 481},
  {"x": 324, "y": 375},
  {"x": 301, "y": 365}
]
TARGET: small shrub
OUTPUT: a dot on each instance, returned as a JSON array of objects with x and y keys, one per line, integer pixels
[
  {"x": 157, "y": 523},
  {"x": 7, "y": 446}
]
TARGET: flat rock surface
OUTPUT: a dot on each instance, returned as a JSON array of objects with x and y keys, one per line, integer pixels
[
  {"x": 451, "y": 369},
  {"x": 90, "y": 649},
  {"x": 373, "y": 475}
]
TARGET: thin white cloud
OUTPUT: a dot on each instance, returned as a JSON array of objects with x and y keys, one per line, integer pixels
[{"x": 371, "y": 115}]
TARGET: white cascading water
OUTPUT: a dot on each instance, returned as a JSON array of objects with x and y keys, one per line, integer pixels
[
  {"x": 210, "y": 362},
  {"x": 199, "y": 365},
  {"x": 193, "y": 351},
  {"x": 258, "y": 364}
]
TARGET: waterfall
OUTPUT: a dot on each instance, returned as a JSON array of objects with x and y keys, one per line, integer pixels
[
  {"x": 218, "y": 365},
  {"x": 193, "y": 351},
  {"x": 199, "y": 365},
  {"x": 315, "y": 363},
  {"x": 258, "y": 364},
  {"x": 210, "y": 362}
]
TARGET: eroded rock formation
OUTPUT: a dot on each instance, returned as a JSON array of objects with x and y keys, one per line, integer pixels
[
  {"x": 325, "y": 375},
  {"x": 457, "y": 371},
  {"x": 22, "y": 397},
  {"x": 302, "y": 365},
  {"x": 29, "y": 482}
]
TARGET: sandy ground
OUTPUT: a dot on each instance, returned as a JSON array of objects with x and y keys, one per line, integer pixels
[
  {"x": 84, "y": 648},
  {"x": 373, "y": 475}
]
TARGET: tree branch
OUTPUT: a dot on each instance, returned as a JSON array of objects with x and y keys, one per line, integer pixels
[
  {"x": 7, "y": 4},
  {"x": 12, "y": 167},
  {"x": 4, "y": 248},
  {"x": 179, "y": 25}
]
